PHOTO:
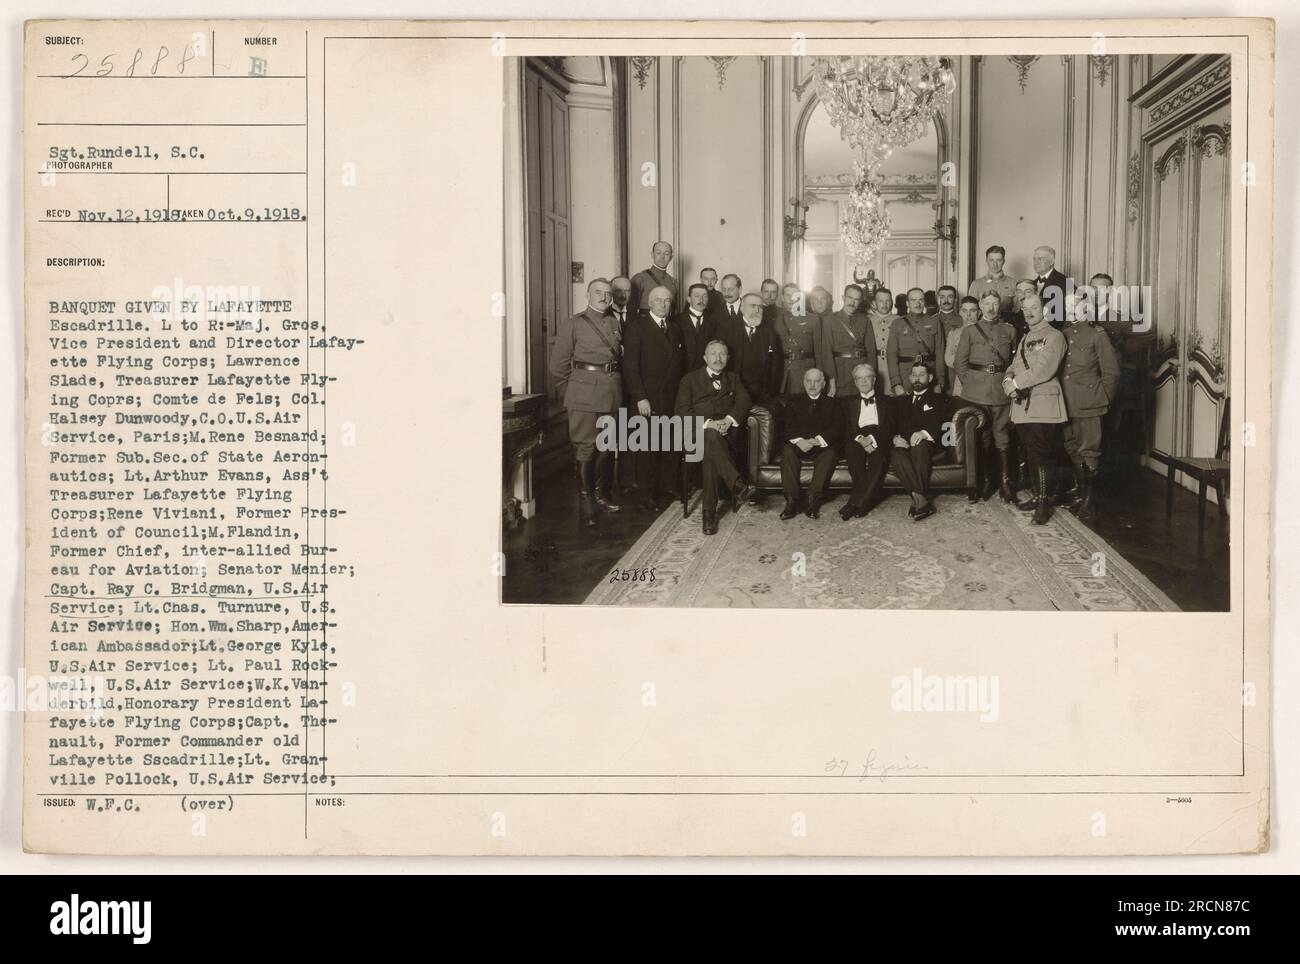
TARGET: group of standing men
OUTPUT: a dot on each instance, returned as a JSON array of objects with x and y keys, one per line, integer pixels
[{"x": 839, "y": 380}]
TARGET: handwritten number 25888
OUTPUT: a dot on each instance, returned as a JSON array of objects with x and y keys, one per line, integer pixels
[{"x": 107, "y": 64}]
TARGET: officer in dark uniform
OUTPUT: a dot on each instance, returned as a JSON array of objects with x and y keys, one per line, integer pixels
[
  {"x": 983, "y": 355},
  {"x": 586, "y": 362},
  {"x": 915, "y": 336},
  {"x": 1090, "y": 377},
  {"x": 850, "y": 340}
]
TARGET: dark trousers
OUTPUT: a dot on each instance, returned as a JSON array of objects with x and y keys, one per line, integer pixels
[
  {"x": 718, "y": 466},
  {"x": 867, "y": 472},
  {"x": 656, "y": 472},
  {"x": 912, "y": 466},
  {"x": 792, "y": 460},
  {"x": 1039, "y": 441}
]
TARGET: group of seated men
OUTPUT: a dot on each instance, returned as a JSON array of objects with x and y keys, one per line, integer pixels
[{"x": 862, "y": 382}]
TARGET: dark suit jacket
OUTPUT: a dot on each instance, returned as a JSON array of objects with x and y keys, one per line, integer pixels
[
  {"x": 755, "y": 358},
  {"x": 697, "y": 396},
  {"x": 693, "y": 342},
  {"x": 719, "y": 314},
  {"x": 926, "y": 413},
  {"x": 628, "y": 314},
  {"x": 653, "y": 362},
  {"x": 1054, "y": 303},
  {"x": 887, "y": 419},
  {"x": 807, "y": 418},
  {"x": 715, "y": 302}
]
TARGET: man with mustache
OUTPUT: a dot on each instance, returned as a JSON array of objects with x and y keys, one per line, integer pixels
[{"x": 919, "y": 436}]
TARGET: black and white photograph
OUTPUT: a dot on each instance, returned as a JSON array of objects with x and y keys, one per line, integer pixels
[{"x": 943, "y": 332}]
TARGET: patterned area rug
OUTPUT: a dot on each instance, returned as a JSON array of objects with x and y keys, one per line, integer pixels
[{"x": 968, "y": 556}]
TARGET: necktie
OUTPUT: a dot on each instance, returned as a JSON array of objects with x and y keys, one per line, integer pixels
[{"x": 732, "y": 309}]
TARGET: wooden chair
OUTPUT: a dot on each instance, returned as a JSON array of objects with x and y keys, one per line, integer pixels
[{"x": 1207, "y": 472}]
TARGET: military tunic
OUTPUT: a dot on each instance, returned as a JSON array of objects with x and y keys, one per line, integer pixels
[
  {"x": 1090, "y": 377},
  {"x": 913, "y": 336},
  {"x": 852, "y": 342},
  {"x": 1004, "y": 287},
  {"x": 588, "y": 338},
  {"x": 1035, "y": 365},
  {"x": 802, "y": 343},
  {"x": 644, "y": 282},
  {"x": 983, "y": 353},
  {"x": 880, "y": 327},
  {"x": 1041, "y": 405}
]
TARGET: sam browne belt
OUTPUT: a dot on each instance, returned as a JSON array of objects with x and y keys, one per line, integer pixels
[
  {"x": 608, "y": 367},
  {"x": 858, "y": 353}
]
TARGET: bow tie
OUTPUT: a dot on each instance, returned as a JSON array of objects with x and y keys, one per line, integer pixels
[{"x": 869, "y": 399}]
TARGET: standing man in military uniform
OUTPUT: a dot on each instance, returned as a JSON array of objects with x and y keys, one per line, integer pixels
[
  {"x": 586, "y": 361},
  {"x": 997, "y": 281},
  {"x": 882, "y": 320},
  {"x": 983, "y": 355},
  {"x": 851, "y": 341},
  {"x": 1090, "y": 377},
  {"x": 801, "y": 337},
  {"x": 914, "y": 337},
  {"x": 1037, "y": 400},
  {"x": 655, "y": 276}
]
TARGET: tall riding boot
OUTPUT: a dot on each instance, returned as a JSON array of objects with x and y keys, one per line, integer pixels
[
  {"x": 1042, "y": 511},
  {"x": 1005, "y": 490},
  {"x": 603, "y": 468},
  {"x": 981, "y": 473},
  {"x": 586, "y": 494},
  {"x": 1087, "y": 505},
  {"x": 1029, "y": 481},
  {"x": 991, "y": 462}
]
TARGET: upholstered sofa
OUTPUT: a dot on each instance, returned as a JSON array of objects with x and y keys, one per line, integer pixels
[{"x": 955, "y": 469}]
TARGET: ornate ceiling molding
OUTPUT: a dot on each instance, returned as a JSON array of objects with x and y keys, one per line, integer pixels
[
  {"x": 887, "y": 180},
  {"x": 1220, "y": 74}
]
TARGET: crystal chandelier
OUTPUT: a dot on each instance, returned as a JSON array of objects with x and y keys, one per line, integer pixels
[
  {"x": 879, "y": 103},
  {"x": 864, "y": 221}
]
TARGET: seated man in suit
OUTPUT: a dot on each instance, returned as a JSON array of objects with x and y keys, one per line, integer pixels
[
  {"x": 869, "y": 430},
  {"x": 718, "y": 397},
  {"x": 918, "y": 438},
  {"x": 813, "y": 427}
]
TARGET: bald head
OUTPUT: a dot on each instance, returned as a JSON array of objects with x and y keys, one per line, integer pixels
[{"x": 660, "y": 301}]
